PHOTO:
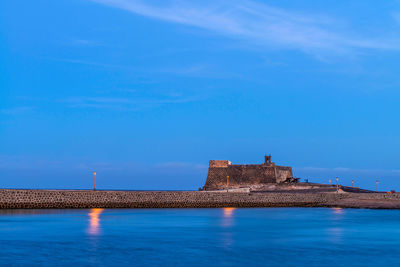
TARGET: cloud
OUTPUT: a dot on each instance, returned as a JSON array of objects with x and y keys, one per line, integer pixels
[
  {"x": 347, "y": 170},
  {"x": 180, "y": 165},
  {"x": 125, "y": 103},
  {"x": 396, "y": 17},
  {"x": 259, "y": 24},
  {"x": 23, "y": 162},
  {"x": 196, "y": 70},
  {"x": 84, "y": 42},
  {"x": 20, "y": 162},
  {"x": 16, "y": 110},
  {"x": 92, "y": 63}
]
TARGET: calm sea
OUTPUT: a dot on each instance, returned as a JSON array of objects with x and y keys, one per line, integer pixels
[{"x": 201, "y": 237}]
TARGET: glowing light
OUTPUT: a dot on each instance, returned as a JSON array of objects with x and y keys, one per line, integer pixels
[
  {"x": 337, "y": 210},
  {"x": 94, "y": 220},
  {"x": 227, "y": 222},
  {"x": 228, "y": 212}
]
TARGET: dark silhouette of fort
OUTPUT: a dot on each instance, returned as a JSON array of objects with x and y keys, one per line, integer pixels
[{"x": 245, "y": 175}]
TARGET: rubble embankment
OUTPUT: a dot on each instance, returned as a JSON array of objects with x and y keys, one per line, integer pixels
[{"x": 59, "y": 199}]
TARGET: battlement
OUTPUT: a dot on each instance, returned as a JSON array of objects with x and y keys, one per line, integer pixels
[
  {"x": 244, "y": 175},
  {"x": 219, "y": 163}
]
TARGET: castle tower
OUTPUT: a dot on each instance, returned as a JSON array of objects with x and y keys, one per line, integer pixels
[{"x": 268, "y": 159}]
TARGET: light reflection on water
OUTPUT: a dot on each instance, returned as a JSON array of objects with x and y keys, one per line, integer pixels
[
  {"x": 227, "y": 223},
  {"x": 337, "y": 210},
  {"x": 228, "y": 212},
  {"x": 94, "y": 221},
  {"x": 228, "y": 217},
  {"x": 335, "y": 233}
]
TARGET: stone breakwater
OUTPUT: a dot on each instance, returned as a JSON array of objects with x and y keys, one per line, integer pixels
[{"x": 59, "y": 199}]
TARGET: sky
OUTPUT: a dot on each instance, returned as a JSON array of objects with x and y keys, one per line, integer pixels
[{"x": 147, "y": 92}]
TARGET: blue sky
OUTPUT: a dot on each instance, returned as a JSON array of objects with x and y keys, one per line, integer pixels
[{"x": 146, "y": 92}]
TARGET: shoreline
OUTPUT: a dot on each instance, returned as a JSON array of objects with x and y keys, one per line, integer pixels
[{"x": 70, "y": 199}]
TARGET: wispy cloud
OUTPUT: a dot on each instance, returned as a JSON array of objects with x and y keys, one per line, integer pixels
[
  {"x": 85, "y": 42},
  {"x": 396, "y": 17},
  {"x": 199, "y": 69},
  {"x": 23, "y": 162},
  {"x": 16, "y": 110},
  {"x": 347, "y": 170},
  {"x": 196, "y": 70},
  {"x": 180, "y": 165},
  {"x": 259, "y": 23},
  {"x": 126, "y": 104},
  {"x": 92, "y": 63}
]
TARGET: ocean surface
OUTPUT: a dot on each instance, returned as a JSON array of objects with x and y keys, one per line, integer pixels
[{"x": 200, "y": 237}]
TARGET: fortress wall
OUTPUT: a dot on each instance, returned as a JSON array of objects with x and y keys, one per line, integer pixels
[
  {"x": 239, "y": 175},
  {"x": 187, "y": 199},
  {"x": 250, "y": 174},
  {"x": 216, "y": 178},
  {"x": 219, "y": 163},
  {"x": 282, "y": 173}
]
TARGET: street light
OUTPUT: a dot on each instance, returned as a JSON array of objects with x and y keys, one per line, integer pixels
[
  {"x": 337, "y": 184},
  {"x": 377, "y": 183},
  {"x": 94, "y": 185},
  {"x": 352, "y": 183},
  {"x": 227, "y": 183}
]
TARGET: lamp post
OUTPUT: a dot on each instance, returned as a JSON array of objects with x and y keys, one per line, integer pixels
[
  {"x": 337, "y": 184},
  {"x": 329, "y": 181},
  {"x": 352, "y": 183},
  {"x": 94, "y": 184},
  {"x": 377, "y": 183},
  {"x": 227, "y": 183}
]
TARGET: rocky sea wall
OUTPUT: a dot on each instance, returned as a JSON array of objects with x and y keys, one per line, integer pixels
[{"x": 59, "y": 199}]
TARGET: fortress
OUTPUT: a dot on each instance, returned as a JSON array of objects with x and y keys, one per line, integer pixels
[
  {"x": 255, "y": 185},
  {"x": 222, "y": 174}
]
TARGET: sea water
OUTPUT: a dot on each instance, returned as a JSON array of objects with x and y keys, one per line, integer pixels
[{"x": 200, "y": 237}]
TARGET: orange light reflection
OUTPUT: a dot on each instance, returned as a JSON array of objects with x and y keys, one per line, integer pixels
[
  {"x": 94, "y": 227},
  {"x": 227, "y": 223},
  {"x": 337, "y": 210},
  {"x": 228, "y": 212}
]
